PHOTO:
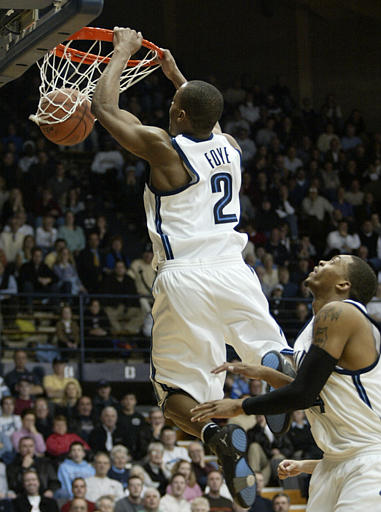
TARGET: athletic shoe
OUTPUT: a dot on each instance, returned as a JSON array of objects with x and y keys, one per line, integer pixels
[
  {"x": 278, "y": 423},
  {"x": 230, "y": 444}
]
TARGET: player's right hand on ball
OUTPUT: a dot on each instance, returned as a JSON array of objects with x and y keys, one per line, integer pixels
[
  {"x": 249, "y": 371},
  {"x": 289, "y": 468}
]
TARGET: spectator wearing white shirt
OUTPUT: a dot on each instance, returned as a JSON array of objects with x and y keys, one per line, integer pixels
[
  {"x": 99, "y": 484},
  {"x": 175, "y": 502},
  {"x": 248, "y": 110},
  {"x": 46, "y": 234},
  {"x": 341, "y": 240},
  {"x": 11, "y": 239},
  {"x": 246, "y": 144},
  {"x": 29, "y": 158},
  {"x": 108, "y": 158},
  {"x": 9, "y": 422},
  {"x": 291, "y": 161},
  {"x": 172, "y": 453}
]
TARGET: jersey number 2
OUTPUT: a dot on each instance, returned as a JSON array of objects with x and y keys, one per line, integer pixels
[{"x": 216, "y": 180}]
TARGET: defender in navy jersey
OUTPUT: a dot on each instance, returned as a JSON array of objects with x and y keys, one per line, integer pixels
[
  {"x": 339, "y": 383},
  {"x": 205, "y": 295}
]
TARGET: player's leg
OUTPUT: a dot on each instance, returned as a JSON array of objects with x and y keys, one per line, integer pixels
[
  {"x": 228, "y": 443},
  {"x": 187, "y": 343}
]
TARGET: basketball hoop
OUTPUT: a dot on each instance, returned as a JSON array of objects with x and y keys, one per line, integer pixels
[{"x": 67, "y": 68}]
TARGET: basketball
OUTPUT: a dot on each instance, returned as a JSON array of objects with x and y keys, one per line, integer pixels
[{"x": 73, "y": 130}]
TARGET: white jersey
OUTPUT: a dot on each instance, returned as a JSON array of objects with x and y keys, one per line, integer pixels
[
  {"x": 196, "y": 222},
  {"x": 348, "y": 419}
]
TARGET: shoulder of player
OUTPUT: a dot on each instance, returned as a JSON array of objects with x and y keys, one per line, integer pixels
[
  {"x": 232, "y": 141},
  {"x": 337, "y": 313}
]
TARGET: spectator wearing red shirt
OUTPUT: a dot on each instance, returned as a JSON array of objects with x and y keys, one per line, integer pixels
[
  {"x": 79, "y": 489},
  {"x": 60, "y": 441},
  {"x": 24, "y": 400}
]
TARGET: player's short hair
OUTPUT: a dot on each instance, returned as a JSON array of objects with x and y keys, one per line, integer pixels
[
  {"x": 363, "y": 280},
  {"x": 203, "y": 104}
]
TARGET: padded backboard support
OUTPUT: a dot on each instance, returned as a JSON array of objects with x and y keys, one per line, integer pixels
[{"x": 43, "y": 34}]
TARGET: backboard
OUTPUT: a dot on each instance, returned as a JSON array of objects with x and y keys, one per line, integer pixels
[{"x": 30, "y": 28}]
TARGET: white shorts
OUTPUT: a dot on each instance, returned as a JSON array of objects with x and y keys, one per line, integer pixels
[
  {"x": 198, "y": 308},
  {"x": 352, "y": 485}
]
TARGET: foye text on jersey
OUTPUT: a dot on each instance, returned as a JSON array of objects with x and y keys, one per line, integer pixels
[{"x": 218, "y": 156}]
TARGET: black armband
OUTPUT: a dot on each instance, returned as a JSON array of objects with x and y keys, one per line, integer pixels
[{"x": 302, "y": 392}]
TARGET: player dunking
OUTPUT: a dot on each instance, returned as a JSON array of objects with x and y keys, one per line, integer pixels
[
  {"x": 338, "y": 381},
  {"x": 205, "y": 295}
]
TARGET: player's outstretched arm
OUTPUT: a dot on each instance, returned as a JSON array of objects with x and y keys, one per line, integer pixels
[
  {"x": 122, "y": 125},
  {"x": 273, "y": 377},
  {"x": 288, "y": 468}
]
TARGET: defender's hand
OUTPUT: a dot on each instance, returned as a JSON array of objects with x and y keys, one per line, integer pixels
[
  {"x": 226, "y": 408},
  {"x": 289, "y": 468},
  {"x": 127, "y": 40},
  {"x": 249, "y": 371}
]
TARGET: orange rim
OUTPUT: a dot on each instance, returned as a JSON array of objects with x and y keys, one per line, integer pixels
[{"x": 98, "y": 34}]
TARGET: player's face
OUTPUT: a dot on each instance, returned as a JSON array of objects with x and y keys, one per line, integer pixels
[{"x": 328, "y": 273}]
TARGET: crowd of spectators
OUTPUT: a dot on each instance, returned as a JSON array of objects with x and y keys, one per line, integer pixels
[
  {"x": 62, "y": 449},
  {"x": 72, "y": 221}
]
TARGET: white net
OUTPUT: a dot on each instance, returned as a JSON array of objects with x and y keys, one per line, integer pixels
[{"x": 66, "y": 70}]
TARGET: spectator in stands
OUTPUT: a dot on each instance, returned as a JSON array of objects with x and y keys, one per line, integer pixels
[
  {"x": 275, "y": 448},
  {"x": 350, "y": 140},
  {"x": 151, "y": 500},
  {"x": 108, "y": 434},
  {"x": 28, "y": 429},
  {"x": 107, "y": 162},
  {"x": 67, "y": 331},
  {"x": 331, "y": 181},
  {"x": 69, "y": 401},
  {"x": 270, "y": 276},
  {"x": 27, "y": 459},
  {"x": 84, "y": 418},
  {"x": 192, "y": 489},
  {"x": 6, "y": 449},
  {"x": 37, "y": 277},
  {"x": 9, "y": 422},
  {"x": 325, "y": 139},
  {"x": 291, "y": 161},
  {"x": 59, "y": 442},
  {"x": 216, "y": 501},
  {"x": 200, "y": 466},
  {"x": 124, "y": 313},
  {"x": 156, "y": 422},
  {"x": 25, "y": 253},
  {"x": 59, "y": 184},
  {"x": 20, "y": 359},
  {"x": 46, "y": 205},
  {"x": 78, "y": 490},
  {"x": 72, "y": 234},
  {"x": 105, "y": 504},
  {"x": 31, "y": 499},
  {"x": 78, "y": 505},
  {"x": 103, "y": 397},
  {"x": 102, "y": 229},
  {"x": 132, "y": 422},
  {"x": 175, "y": 502},
  {"x": 369, "y": 237},
  {"x": 25, "y": 399},
  {"x": 68, "y": 279},
  {"x": 260, "y": 504},
  {"x": 51, "y": 257},
  {"x": 44, "y": 421},
  {"x": 341, "y": 241},
  {"x": 298, "y": 321},
  {"x": 172, "y": 452},
  {"x": 300, "y": 435},
  {"x": 74, "y": 203},
  {"x": 266, "y": 133},
  {"x": 54, "y": 384},
  {"x": 266, "y": 217},
  {"x": 100, "y": 484},
  {"x": 155, "y": 468},
  {"x": 116, "y": 253},
  {"x": 11, "y": 241},
  {"x": 13, "y": 205},
  {"x": 279, "y": 252},
  {"x": 343, "y": 205},
  {"x": 315, "y": 209},
  {"x": 374, "y": 306},
  {"x": 290, "y": 289},
  {"x": 46, "y": 234},
  {"x": 90, "y": 264},
  {"x": 120, "y": 469},
  {"x": 73, "y": 466},
  {"x": 281, "y": 502},
  {"x": 97, "y": 330}
]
